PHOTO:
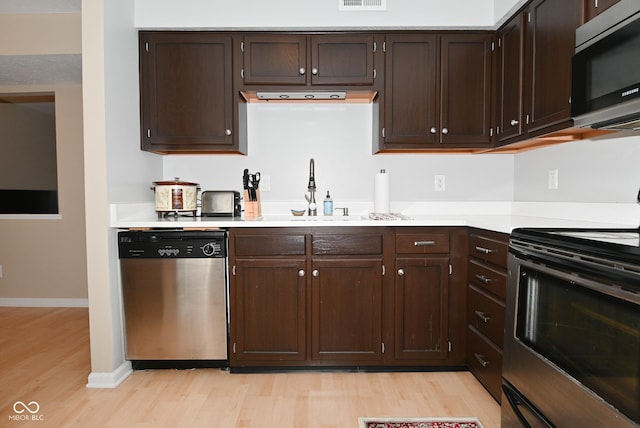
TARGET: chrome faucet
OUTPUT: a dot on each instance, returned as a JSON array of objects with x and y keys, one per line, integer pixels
[{"x": 311, "y": 187}]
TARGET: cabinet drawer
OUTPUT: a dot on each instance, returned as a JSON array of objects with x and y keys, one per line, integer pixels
[
  {"x": 489, "y": 250},
  {"x": 422, "y": 243},
  {"x": 269, "y": 245},
  {"x": 485, "y": 361},
  {"x": 347, "y": 244},
  {"x": 491, "y": 280},
  {"x": 486, "y": 314}
]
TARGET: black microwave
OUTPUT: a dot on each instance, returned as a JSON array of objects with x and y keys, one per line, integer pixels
[{"x": 605, "y": 86}]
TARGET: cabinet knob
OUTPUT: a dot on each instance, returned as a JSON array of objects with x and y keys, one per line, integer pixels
[
  {"x": 315, "y": 272},
  {"x": 433, "y": 130},
  {"x": 302, "y": 71},
  {"x": 314, "y": 71},
  {"x": 514, "y": 122},
  {"x": 401, "y": 272},
  {"x": 301, "y": 272},
  {"x": 445, "y": 131},
  {"x": 227, "y": 132}
]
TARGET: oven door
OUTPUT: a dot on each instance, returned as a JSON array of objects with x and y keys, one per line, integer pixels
[{"x": 572, "y": 346}]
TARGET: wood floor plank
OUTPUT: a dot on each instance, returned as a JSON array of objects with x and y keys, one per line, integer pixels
[{"x": 45, "y": 358}]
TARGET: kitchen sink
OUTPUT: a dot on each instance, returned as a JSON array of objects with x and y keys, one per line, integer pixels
[
  {"x": 319, "y": 219},
  {"x": 330, "y": 218}
]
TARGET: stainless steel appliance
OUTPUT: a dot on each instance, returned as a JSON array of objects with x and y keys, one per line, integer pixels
[
  {"x": 572, "y": 339},
  {"x": 174, "y": 288},
  {"x": 606, "y": 70},
  {"x": 220, "y": 203}
]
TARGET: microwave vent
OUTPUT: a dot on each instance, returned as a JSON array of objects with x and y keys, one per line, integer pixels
[{"x": 362, "y": 5}]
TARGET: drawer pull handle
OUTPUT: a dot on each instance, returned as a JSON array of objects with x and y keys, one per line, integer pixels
[
  {"x": 424, "y": 243},
  {"x": 483, "y": 279},
  {"x": 484, "y": 250},
  {"x": 481, "y": 359},
  {"x": 484, "y": 317}
]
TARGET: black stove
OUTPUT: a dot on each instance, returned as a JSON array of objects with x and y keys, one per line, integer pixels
[{"x": 613, "y": 244}]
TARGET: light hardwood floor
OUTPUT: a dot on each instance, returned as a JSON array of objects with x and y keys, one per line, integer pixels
[{"x": 44, "y": 357}]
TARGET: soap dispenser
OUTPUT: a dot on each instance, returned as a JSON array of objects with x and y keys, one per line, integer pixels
[{"x": 328, "y": 205}]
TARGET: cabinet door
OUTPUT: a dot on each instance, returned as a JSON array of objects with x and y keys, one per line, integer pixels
[
  {"x": 342, "y": 60},
  {"x": 267, "y": 312},
  {"x": 411, "y": 91},
  {"x": 593, "y": 8},
  {"x": 509, "y": 79},
  {"x": 421, "y": 308},
  {"x": 466, "y": 69},
  {"x": 275, "y": 59},
  {"x": 549, "y": 46},
  {"x": 186, "y": 97},
  {"x": 346, "y": 310}
]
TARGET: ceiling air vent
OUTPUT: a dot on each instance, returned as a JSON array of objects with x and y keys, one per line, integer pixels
[{"x": 358, "y": 5}]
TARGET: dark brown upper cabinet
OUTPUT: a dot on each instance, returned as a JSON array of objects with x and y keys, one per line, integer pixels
[
  {"x": 308, "y": 60},
  {"x": 438, "y": 91},
  {"x": 534, "y": 61},
  {"x": 187, "y": 102},
  {"x": 509, "y": 80},
  {"x": 593, "y": 8},
  {"x": 549, "y": 46}
]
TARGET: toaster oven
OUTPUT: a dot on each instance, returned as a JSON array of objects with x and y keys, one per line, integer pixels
[{"x": 220, "y": 203}]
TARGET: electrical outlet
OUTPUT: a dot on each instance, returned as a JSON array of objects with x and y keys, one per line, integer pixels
[
  {"x": 265, "y": 183},
  {"x": 553, "y": 179},
  {"x": 438, "y": 183}
]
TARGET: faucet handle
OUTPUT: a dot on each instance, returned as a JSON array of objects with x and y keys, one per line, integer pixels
[{"x": 345, "y": 211}]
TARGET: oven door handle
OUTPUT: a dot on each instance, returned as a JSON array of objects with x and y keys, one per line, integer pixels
[{"x": 516, "y": 402}]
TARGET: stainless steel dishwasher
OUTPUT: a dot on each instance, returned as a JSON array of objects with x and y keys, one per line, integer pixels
[{"x": 174, "y": 288}]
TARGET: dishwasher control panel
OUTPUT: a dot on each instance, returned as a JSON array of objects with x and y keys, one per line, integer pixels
[{"x": 154, "y": 244}]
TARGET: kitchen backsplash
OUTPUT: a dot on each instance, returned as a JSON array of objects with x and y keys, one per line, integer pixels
[{"x": 283, "y": 137}]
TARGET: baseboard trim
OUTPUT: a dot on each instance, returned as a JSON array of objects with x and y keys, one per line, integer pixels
[
  {"x": 44, "y": 302},
  {"x": 110, "y": 379}
]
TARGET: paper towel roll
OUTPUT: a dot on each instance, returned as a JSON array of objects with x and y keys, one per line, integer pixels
[{"x": 381, "y": 193}]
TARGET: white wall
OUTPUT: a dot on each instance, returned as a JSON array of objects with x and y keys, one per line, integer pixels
[
  {"x": 312, "y": 14},
  {"x": 130, "y": 170},
  {"x": 283, "y": 137},
  {"x": 605, "y": 169},
  {"x": 502, "y": 9}
]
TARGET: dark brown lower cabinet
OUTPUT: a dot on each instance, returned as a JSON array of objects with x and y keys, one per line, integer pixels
[
  {"x": 421, "y": 315},
  {"x": 486, "y": 292},
  {"x": 346, "y": 310},
  {"x": 341, "y": 297},
  {"x": 269, "y": 312},
  {"x": 428, "y": 328}
]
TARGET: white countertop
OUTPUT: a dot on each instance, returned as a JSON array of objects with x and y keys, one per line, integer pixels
[{"x": 497, "y": 216}]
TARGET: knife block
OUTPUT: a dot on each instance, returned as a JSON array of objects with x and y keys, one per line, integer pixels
[{"x": 252, "y": 209}]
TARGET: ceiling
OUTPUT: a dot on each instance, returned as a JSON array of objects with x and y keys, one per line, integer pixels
[
  {"x": 39, "y": 6},
  {"x": 17, "y": 70}
]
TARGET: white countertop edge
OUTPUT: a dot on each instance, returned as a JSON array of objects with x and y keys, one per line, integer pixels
[{"x": 500, "y": 216}]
